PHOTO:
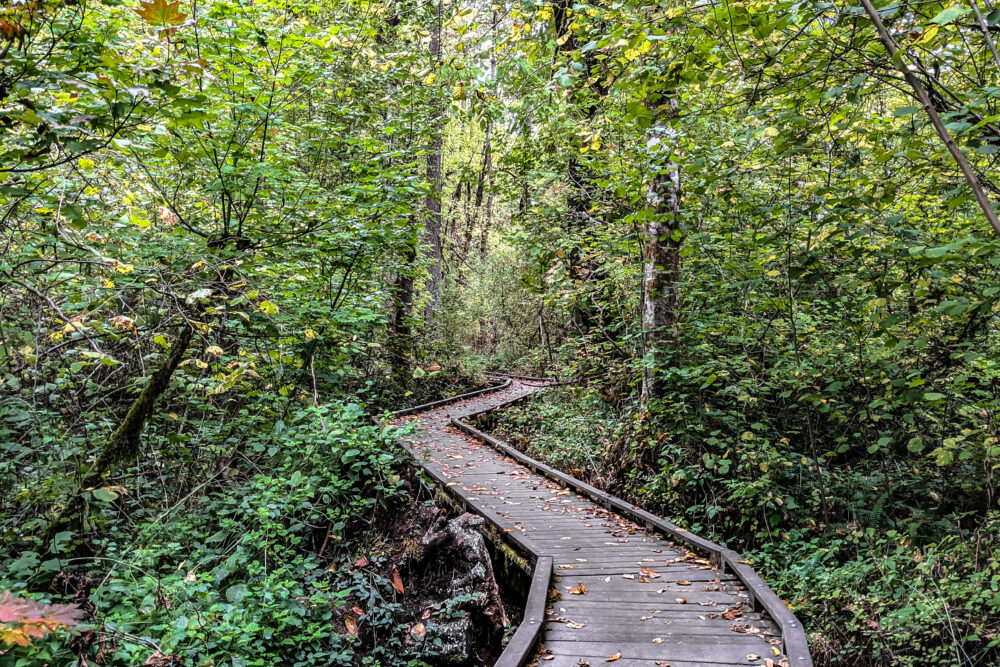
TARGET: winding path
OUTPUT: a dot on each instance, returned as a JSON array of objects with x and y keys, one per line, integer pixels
[{"x": 619, "y": 593}]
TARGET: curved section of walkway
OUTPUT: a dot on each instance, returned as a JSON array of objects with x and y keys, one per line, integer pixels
[{"x": 620, "y": 593}]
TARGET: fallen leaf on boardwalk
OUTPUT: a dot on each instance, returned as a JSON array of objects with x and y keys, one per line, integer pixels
[
  {"x": 683, "y": 583},
  {"x": 775, "y": 650},
  {"x": 616, "y": 656},
  {"x": 682, "y": 600},
  {"x": 658, "y": 640},
  {"x": 745, "y": 629},
  {"x": 646, "y": 572},
  {"x": 418, "y": 631},
  {"x": 578, "y": 590},
  {"x": 583, "y": 663},
  {"x": 548, "y": 657},
  {"x": 397, "y": 582},
  {"x": 752, "y": 657},
  {"x": 574, "y": 626},
  {"x": 628, "y": 576},
  {"x": 351, "y": 624},
  {"x": 565, "y": 567},
  {"x": 662, "y": 663}
]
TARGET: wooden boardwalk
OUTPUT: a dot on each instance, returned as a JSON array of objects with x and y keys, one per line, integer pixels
[{"x": 620, "y": 594}]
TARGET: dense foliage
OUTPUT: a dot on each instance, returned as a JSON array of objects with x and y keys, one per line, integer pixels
[{"x": 752, "y": 233}]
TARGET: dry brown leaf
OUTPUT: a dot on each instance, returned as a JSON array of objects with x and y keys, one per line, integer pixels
[
  {"x": 351, "y": 624},
  {"x": 616, "y": 656},
  {"x": 397, "y": 582}
]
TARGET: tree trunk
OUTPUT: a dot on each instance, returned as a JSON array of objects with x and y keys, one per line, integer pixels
[
  {"x": 434, "y": 177},
  {"x": 578, "y": 175},
  {"x": 485, "y": 181},
  {"x": 400, "y": 334},
  {"x": 661, "y": 255},
  {"x": 123, "y": 445}
]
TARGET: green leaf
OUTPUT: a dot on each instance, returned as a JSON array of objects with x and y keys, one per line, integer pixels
[
  {"x": 60, "y": 540},
  {"x": 104, "y": 495},
  {"x": 236, "y": 593},
  {"x": 946, "y": 16}
]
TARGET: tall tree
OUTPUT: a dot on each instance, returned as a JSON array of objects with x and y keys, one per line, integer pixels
[
  {"x": 661, "y": 248},
  {"x": 435, "y": 178}
]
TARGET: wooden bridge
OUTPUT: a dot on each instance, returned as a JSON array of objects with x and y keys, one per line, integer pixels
[{"x": 610, "y": 582}]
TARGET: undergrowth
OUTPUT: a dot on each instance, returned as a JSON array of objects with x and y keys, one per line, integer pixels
[{"x": 257, "y": 565}]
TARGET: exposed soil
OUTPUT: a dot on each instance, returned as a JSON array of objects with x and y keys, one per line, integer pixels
[{"x": 445, "y": 567}]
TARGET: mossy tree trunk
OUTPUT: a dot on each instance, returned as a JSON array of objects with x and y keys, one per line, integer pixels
[{"x": 123, "y": 445}]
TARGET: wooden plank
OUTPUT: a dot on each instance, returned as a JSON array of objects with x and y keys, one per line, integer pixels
[
  {"x": 597, "y": 661},
  {"x": 701, "y": 648}
]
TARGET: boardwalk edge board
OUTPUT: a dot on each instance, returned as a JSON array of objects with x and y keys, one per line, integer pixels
[
  {"x": 521, "y": 645},
  {"x": 796, "y": 644},
  {"x": 529, "y": 378}
]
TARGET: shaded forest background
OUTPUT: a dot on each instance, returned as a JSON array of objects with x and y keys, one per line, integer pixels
[{"x": 757, "y": 236}]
